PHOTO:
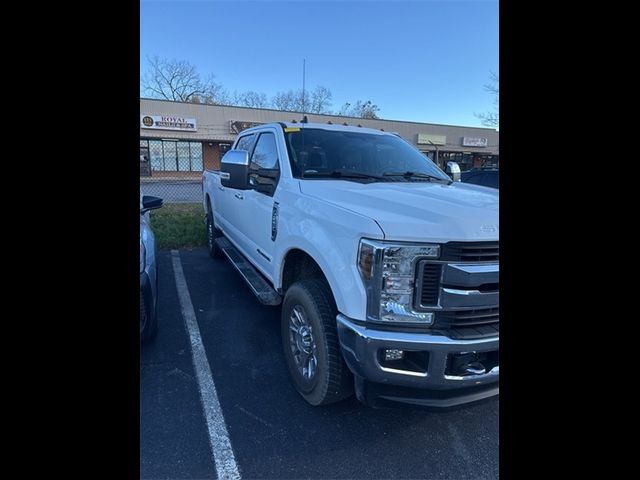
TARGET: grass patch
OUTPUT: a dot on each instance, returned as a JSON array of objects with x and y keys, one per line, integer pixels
[{"x": 179, "y": 225}]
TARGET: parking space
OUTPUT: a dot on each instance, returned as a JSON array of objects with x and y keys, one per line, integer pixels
[{"x": 274, "y": 433}]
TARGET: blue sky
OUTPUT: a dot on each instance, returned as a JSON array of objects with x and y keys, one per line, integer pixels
[{"x": 423, "y": 61}]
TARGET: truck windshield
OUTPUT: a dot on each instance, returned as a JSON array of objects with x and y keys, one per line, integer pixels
[{"x": 320, "y": 154}]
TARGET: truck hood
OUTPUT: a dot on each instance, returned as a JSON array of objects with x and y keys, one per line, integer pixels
[{"x": 420, "y": 211}]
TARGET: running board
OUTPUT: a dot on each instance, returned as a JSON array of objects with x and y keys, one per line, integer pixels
[{"x": 260, "y": 287}]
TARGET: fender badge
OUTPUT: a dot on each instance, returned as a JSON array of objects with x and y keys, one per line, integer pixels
[{"x": 274, "y": 221}]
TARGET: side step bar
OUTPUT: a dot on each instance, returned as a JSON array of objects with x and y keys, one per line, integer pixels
[{"x": 260, "y": 287}]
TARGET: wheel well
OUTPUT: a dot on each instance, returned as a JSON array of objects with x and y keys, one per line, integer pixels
[
  {"x": 299, "y": 265},
  {"x": 208, "y": 204}
]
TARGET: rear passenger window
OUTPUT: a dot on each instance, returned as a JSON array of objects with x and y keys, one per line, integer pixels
[{"x": 246, "y": 143}]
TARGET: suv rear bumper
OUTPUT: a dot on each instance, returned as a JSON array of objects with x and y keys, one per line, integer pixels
[{"x": 429, "y": 381}]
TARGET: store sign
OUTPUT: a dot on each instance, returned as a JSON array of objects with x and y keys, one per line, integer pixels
[
  {"x": 238, "y": 126},
  {"x": 474, "y": 142},
  {"x": 428, "y": 139},
  {"x": 168, "y": 122}
]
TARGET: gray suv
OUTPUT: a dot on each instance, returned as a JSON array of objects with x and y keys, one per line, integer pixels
[{"x": 148, "y": 269}]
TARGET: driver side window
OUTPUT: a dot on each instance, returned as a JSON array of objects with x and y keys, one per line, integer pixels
[
  {"x": 264, "y": 169},
  {"x": 265, "y": 154}
]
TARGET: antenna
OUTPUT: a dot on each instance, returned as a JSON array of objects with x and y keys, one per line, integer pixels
[{"x": 304, "y": 61}]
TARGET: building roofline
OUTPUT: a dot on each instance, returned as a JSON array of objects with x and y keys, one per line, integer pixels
[{"x": 324, "y": 114}]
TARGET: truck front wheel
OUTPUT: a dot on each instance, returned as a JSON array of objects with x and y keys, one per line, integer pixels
[{"x": 311, "y": 345}]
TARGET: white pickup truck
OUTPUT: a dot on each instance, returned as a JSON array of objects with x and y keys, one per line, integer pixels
[{"x": 386, "y": 270}]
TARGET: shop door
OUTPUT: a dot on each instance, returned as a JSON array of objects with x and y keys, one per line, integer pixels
[{"x": 145, "y": 164}]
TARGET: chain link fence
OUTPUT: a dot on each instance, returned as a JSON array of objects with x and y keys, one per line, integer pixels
[
  {"x": 173, "y": 190},
  {"x": 171, "y": 170}
]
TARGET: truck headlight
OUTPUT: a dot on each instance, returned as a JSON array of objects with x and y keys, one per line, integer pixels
[{"x": 388, "y": 272}]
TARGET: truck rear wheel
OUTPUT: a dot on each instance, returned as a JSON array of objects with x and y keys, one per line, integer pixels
[
  {"x": 212, "y": 234},
  {"x": 311, "y": 345}
]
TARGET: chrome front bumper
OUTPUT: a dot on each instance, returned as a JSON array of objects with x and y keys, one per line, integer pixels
[{"x": 361, "y": 348}]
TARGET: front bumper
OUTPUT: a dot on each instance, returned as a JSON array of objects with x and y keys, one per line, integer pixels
[{"x": 433, "y": 385}]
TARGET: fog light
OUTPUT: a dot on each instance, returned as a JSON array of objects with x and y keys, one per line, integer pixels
[{"x": 393, "y": 354}]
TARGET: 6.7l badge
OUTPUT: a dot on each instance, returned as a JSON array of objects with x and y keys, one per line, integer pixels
[{"x": 274, "y": 221}]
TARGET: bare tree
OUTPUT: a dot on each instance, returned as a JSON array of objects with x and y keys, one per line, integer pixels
[
  {"x": 492, "y": 119},
  {"x": 250, "y": 99},
  {"x": 178, "y": 80},
  {"x": 320, "y": 100},
  {"x": 317, "y": 101},
  {"x": 360, "y": 109},
  {"x": 291, "y": 100}
]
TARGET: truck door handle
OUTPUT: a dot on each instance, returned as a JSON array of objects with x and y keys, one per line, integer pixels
[
  {"x": 239, "y": 195},
  {"x": 220, "y": 188}
]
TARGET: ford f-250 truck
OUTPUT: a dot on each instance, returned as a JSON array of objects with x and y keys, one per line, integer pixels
[{"x": 386, "y": 270}]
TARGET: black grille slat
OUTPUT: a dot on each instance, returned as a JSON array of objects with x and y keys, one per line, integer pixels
[
  {"x": 430, "y": 285},
  {"x": 481, "y": 318},
  {"x": 469, "y": 314},
  {"x": 466, "y": 333},
  {"x": 471, "y": 251},
  {"x": 477, "y": 322}
]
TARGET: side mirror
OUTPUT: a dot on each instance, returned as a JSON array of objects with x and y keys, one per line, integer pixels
[
  {"x": 234, "y": 170},
  {"x": 150, "y": 203},
  {"x": 453, "y": 170}
]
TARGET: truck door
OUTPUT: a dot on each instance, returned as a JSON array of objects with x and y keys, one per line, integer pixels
[
  {"x": 255, "y": 207},
  {"x": 230, "y": 210}
]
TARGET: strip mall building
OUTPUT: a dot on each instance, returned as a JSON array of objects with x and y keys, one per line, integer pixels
[{"x": 179, "y": 140}]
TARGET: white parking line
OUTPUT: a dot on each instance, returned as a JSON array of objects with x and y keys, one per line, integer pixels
[{"x": 225, "y": 461}]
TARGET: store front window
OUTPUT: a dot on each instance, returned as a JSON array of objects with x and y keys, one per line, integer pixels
[
  {"x": 173, "y": 155},
  {"x": 489, "y": 161},
  {"x": 465, "y": 160}
]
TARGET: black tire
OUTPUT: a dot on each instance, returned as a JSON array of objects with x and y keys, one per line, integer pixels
[
  {"x": 332, "y": 380},
  {"x": 212, "y": 234},
  {"x": 148, "y": 322}
]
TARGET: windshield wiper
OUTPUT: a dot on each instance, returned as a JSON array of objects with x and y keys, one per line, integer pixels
[
  {"x": 341, "y": 174},
  {"x": 408, "y": 175}
]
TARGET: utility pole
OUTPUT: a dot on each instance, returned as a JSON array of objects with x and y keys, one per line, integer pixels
[{"x": 303, "y": 81}]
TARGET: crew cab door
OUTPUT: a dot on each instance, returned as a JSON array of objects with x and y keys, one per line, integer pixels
[
  {"x": 230, "y": 209},
  {"x": 255, "y": 207}
]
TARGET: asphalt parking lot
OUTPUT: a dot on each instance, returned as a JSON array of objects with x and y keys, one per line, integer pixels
[{"x": 273, "y": 432}]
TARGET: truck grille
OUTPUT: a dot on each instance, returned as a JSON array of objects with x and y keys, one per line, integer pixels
[
  {"x": 428, "y": 288},
  {"x": 470, "y": 252},
  {"x": 467, "y": 324}
]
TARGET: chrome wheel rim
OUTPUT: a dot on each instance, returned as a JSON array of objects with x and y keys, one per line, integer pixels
[{"x": 302, "y": 343}]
